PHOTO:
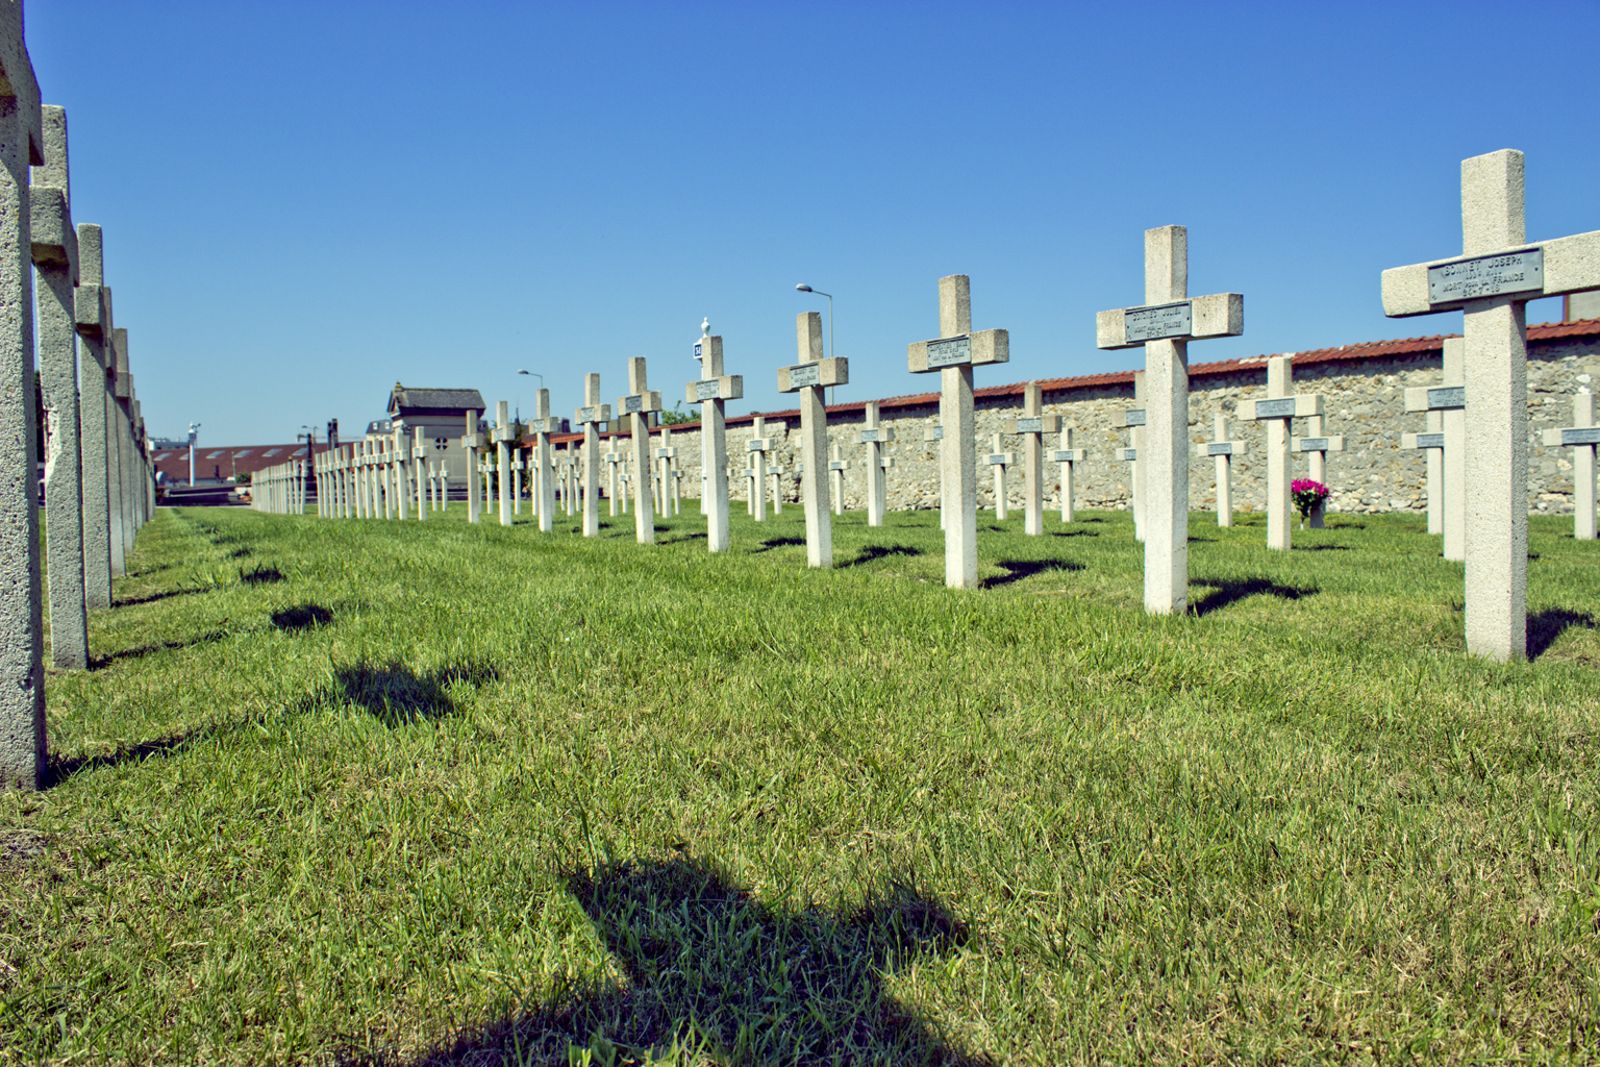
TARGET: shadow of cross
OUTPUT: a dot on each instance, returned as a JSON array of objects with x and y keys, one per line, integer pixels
[{"x": 708, "y": 962}]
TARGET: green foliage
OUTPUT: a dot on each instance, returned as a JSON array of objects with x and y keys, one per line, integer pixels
[
  {"x": 412, "y": 793},
  {"x": 677, "y": 415}
]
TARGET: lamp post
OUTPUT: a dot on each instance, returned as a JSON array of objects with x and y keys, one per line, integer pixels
[
  {"x": 194, "y": 432},
  {"x": 530, "y": 374},
  {"x": 804, "y": 288}
]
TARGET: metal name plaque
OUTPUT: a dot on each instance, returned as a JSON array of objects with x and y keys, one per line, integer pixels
[
  {"x": 1447, "y": 397},
  {"x": 632, "y": 405},
  {"x": 589, "y": 414},
  {"x": 936, "y": 434},
  {"x": 998, "y": 459},
  {"x": 1130, "y": 454},
  {"x": 707, "y": 390},
  {"x": 1473, "y": 279},
  {"x": 1157, "y": 322},
  {"x": 1219, "y": 448},
  {"x": 1064, "y": 455},
  {"x": 1033, "y": 425},
  {"x": 1313, "y": 444},
  {"x": 1430, "y": 440},
  {"x": 1280, "y": 408},
  {"x": 950, "y": 351},
  {"x": 665, "y": 453},
  {"x": 1134, "y": 417},
  {"x": 1581, "y": 435},
  {"x": 804, "y": 374},
  {"x": 757, "y": 444},
  {"x": 836, "y": 465},
  {"x": 870, "y": 437}
]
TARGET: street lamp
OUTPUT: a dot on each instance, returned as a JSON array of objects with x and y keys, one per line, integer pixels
[
  {"x": 804, "y": 288},
  {"x": 530, "y": 374},
  {"x": 194, "y": 431}
]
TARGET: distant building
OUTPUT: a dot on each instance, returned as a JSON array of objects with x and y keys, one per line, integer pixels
[
  {"x": 221, "y": 464},
  {"x": 442, "y": 416}
]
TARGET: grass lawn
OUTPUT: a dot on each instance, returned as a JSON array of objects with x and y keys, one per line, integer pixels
[{"x": 357, "y": 792}]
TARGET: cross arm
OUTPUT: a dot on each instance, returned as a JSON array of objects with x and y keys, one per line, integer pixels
[
  {"x": 17, "y": 81},
  {"x": 639, "y": 403},
  {"x": 1317, "y": 444},
  {"x": 1197, "y": 318},
  {"x": 835, "y": 371},
  {"x": 1223, "y": 448},
  {"x": 1435, "y": 397},
  {"x": 1564, "y": 265},
  {"x": 977, "y": 349},
  {"x": 592, "y": 413},
  {"x": 1034, "y": 424},
  {"x": 55, "y": 242},
  {"x": 1280, "y": 407},
  {"x": 722, "y": 387}
]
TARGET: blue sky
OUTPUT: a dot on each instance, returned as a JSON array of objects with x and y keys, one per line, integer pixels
[{"x": 305, "y": 201}]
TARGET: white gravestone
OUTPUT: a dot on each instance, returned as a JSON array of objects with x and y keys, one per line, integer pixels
[
  {"x": 776, "y": 474},
  {"x": 757, "y": 447},
  {"x": 1222, "y": 451},
  {"x": 420, "y": 448},
  {"x": 1001, "y": 461},
  {"x": 1445, "y": 405},
  {"x": 637, "y": 406},
  {"x": 402, "y": 482},
  {"x": 1032, "y": 426},
  {"x": 92, "y": 312},
  {"x": 1069, "y": 457},
  {"x": 875, "y": 435},
  {"x": 1134, "y": 419},
  {"x": 712, "y": 392},
  {"x": 470, "y": 441},
  {"x": 613, "y": 460},
  {"x": 592, "y": 417},
  {"x": 503, "y": 437},
  {"x": 1315, "y": 446},
  {"x": 1165, "y": 325},
  {"x": 809, "y": 377},
  {"x": 954, "y": 354},
  {"x": 1582, "y": 437},
  {"x": 665, "y": 453},
  {"x": 932, "y": 435},
  {"x": 1278, "y": 410},
  {"x": 543, "y": 476},
  {"x": 1498, "y": 273},
  {"x": 837, "y": 465}
]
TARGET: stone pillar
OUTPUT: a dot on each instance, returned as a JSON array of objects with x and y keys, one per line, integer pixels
[{"x": 93, "y": 314}]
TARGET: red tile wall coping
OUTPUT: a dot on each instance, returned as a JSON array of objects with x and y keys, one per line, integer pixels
[{"x": 1409, "y": 346}]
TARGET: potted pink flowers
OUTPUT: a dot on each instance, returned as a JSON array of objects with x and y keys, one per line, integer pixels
[{"x": 1310, "y": 498}]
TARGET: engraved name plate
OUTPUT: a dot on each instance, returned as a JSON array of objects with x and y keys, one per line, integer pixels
[
  {"x": 1473, "y": 279},
  {"x": 869, "y": 437},
  {"x": 632, "y": 405},
  {"x": 1219, "y": 448},
  {"x": 665, "y": 453},
  {"x": 1130, "y": 454},
  {"x": 836, "y": 465},
  {"x": 1030, "y": 425},
  {"x": 1313, "y": 444},
  {"x": 1430, "y": 440},
  {"x": 1064, "y": 455},
  {"x": 757, "y": 444},
  {"x": 1447, "y": 397},
  {"x": 1581, "y": 435},
  {"x": 998, "y": 459},
  {"x": 589, "y": 414},
  {"x": 1280, "y": 408},
  {"x": 1157, "y": 321},
  {"x": 804, "y": 374},
  {"x": 950, "y": 351},
  {"x": 707, "y": 390},
  {"x": 1134, "y": 417},
  {"x": 935, "y": 434}
]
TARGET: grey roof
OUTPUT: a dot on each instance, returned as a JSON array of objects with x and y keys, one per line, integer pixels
[{"x": 410, "y": 396}]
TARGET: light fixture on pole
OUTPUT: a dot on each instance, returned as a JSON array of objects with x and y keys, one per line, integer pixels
[
  {"x": 194, "y": 432},
  {"x": 529, "y": 374},
  {"x": 802, "y": 287}
]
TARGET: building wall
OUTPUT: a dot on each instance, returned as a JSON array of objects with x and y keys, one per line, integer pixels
[{"x": 1364, "y": 400}]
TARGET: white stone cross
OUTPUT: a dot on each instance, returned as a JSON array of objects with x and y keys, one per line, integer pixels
[
  {"x": 776, "y": 473},
  {"x": 1165, "y": 325},
  {"x": 666, "y": 455},
  {"x": 757, "y": 447},
  {"x": 1222, "y": 451},
  {"x": 712, "y": 392},
  {"x": 543, "y": 476},
  {"x": 420, "y": 447},
  {"x": 471, "y": 440},
  {"x": 809, "y": 377},
  {"x": 504, "y": 435},
  {"x": 875, "y": 435},
  {"x": 933, "y": 434},
  {"x": 953, "y": 354},
  {"x": 1032, "y": 426},
  {"x": 1134, "y": 419},
  {"x": 1445, "y": 405},
  {"x": 1498, "y": 273},
  {"x": 1315, "y": 445},
  {"x": 613, "y": 460},
  {"x": 400, "y": 449},
  {"x": 592, "y": 417},
  {"x": 1068, "y": 457},
  {"x": 637, "y": 406},
  {"x": 1278, "y": 409},
  {"x": 1583, "y": 436},
  {"x": 1000, "y": 460},
  {"x": 837, "y": 465},
  {"x": 92, "y": 310}
]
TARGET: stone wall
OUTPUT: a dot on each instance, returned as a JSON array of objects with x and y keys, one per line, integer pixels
[{"x": 1364, "y": 400}]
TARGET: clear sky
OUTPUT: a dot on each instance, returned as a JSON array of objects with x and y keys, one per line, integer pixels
[{"x": 305, "y": 201}]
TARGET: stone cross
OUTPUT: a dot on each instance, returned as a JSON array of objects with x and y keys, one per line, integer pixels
[
  {"x": 517, "y": 467},
  {"x": 1316, "y": 445},
  {"x": 470, "y": 443},
  {"x": 1222, "y": 451},
  {"x": 1583, "y": 437},
  {"x": 1278, "y": 409},
  {"x": 543, "y": 477},
  {"x": 953, "y": 354},
  {"x": 637, "y": 406},
  {"x": 401, "y": 450},
  {"x": 592, "y": 417},
  {"x": 712, "y": 392},
  {"x": 875, "y": 435},
  {"x": 420, "y": 447},
  {"x": 933, "y": 434},
  {"x": 757, "y": 447},
  {"x": 1001, "y": 461},
  {"x": 504, "y": 435},
  {"x": 92, "y": 312},
  {"x": 837, "y": 465},
  {"x": 1032, "y": 426},
  {"x": 1497, "y": 274},
  {"x": 809, "y": 377},
  {"x": 1165, "y": 325},
  {"x": 1068, "y": 457},
  {"x": 1134, "y": 419},
  {"x": 55, "y": 255},
  {"x": 665, "y": 455},
  {"x": 776, "y": 472},
  {"x": 1445, "y": 405},
  {"x": 613, "y": 459}
]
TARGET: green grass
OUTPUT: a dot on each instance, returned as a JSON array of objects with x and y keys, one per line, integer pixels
[{"x": 366, "y": 792}]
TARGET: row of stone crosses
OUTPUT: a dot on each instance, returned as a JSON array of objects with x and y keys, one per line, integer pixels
[
  {"x": 99, "y": 485},
  {"x": 1484, "y": 516}
]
